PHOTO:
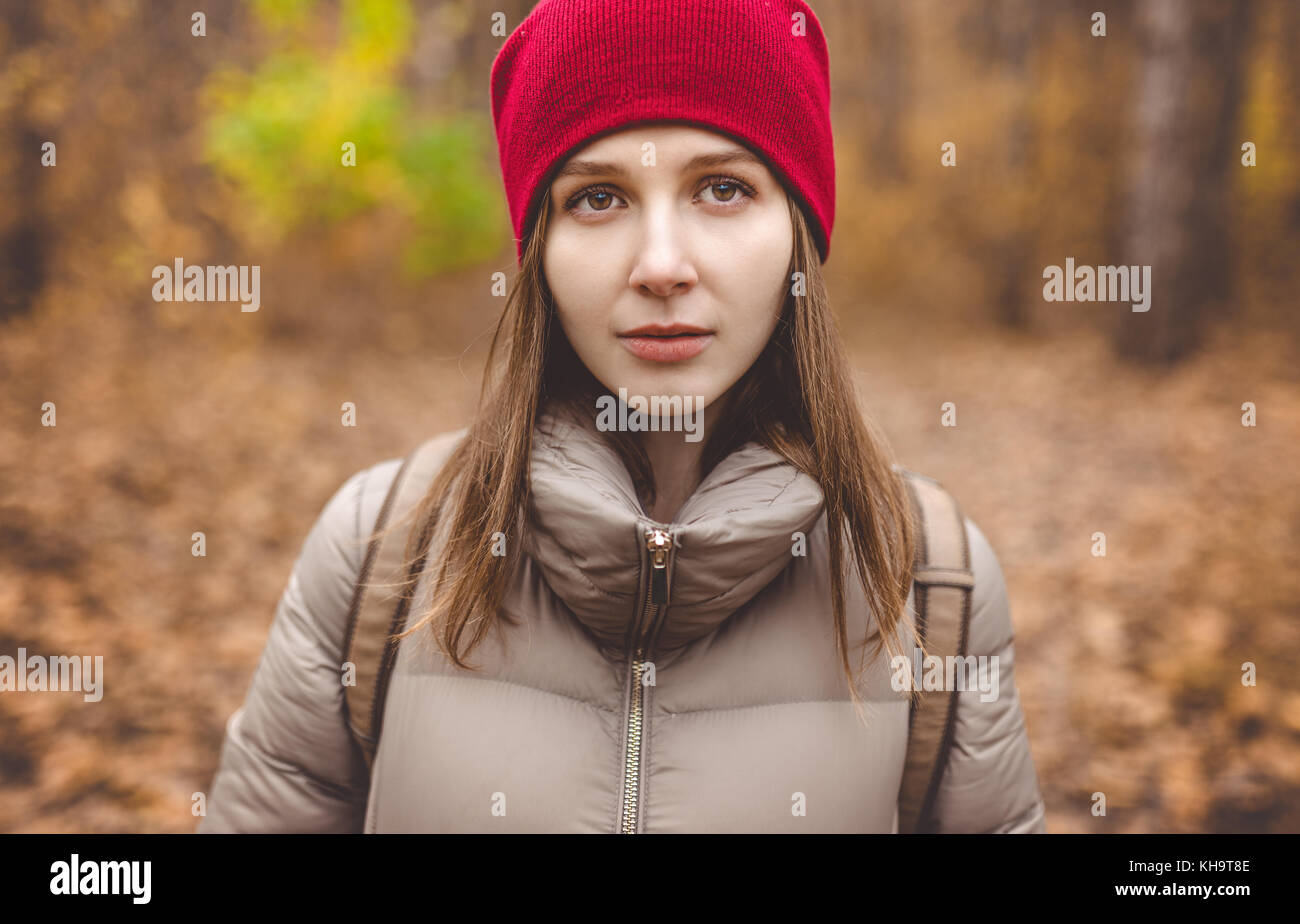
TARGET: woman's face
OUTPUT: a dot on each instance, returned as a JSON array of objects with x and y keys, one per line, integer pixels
[{"x": 666, "y": 252}]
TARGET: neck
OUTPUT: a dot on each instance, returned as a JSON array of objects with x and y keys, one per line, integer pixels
[
  {"x": 675, "y": 463},
  {"x": 676, "y": 467}
]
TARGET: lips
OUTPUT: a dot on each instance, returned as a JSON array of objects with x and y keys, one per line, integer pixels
[
  {"x": 666, "y": 343},
  {"x": 665, "y": 330}
]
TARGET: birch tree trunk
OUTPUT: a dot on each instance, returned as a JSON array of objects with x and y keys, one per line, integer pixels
[{"x": 1188, "y": 95}]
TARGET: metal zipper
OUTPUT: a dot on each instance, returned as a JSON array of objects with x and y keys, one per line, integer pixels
[{"x": 658, "y": 543}]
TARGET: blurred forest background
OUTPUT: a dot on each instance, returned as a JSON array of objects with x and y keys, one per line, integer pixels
[{"x": 1073, "y": 417}]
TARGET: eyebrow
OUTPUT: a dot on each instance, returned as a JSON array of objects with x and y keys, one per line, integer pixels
[{"x": 605, "y": 168}]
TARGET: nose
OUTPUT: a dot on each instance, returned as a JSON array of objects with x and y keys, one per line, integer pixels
[{"x": 663, "y": 264}]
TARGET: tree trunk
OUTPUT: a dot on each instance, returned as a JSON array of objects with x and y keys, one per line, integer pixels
[
  {"x": 1291, "y": 102},
  {"x": 887, "y": 86},
  {"x": 24, "y": 234},
  {"x": 1017, "y": 33},
  {"x": 1186, "y": 147}
]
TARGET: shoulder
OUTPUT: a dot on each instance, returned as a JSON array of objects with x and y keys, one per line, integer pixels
[
  {"x": 989, "y": 784},
  {"x": 336, "y": 546},
  {"x": 351, "y": 513},
  {"x": 354, "y": 506},
  {"x": 990, "y": 627},
  {"x": 332, "y": 554}
]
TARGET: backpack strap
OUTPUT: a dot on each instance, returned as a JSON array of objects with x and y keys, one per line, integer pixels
[
  {"x": 381, "y": 598},
  {"x": 942, "y": 582}
]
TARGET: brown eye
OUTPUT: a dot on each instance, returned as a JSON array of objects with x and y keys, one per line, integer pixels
[
  {"x": 726, "y": 190},
  {"x": 588, "y": 195}
]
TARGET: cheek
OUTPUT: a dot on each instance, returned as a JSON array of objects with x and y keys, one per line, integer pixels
[
  {"x": 582, "y": 308},
  {"x": 756, "y": 286}
]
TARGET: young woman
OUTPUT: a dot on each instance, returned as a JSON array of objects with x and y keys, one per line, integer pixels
[{"x": 640, "y": 622}]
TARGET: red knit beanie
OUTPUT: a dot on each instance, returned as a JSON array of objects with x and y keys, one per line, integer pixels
[{"x": 754, "y": 69}]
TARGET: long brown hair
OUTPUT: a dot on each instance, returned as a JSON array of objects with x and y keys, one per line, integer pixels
[{"x": 797, "y": 399}]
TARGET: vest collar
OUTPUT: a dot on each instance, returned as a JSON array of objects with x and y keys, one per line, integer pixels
[{"x": 587, "y": 533}]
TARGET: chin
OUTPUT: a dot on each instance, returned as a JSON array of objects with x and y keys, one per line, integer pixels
[{"x": 674, "y": 383}]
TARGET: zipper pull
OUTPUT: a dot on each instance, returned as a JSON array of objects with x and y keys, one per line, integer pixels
[{"x": 659, "y": 543}]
